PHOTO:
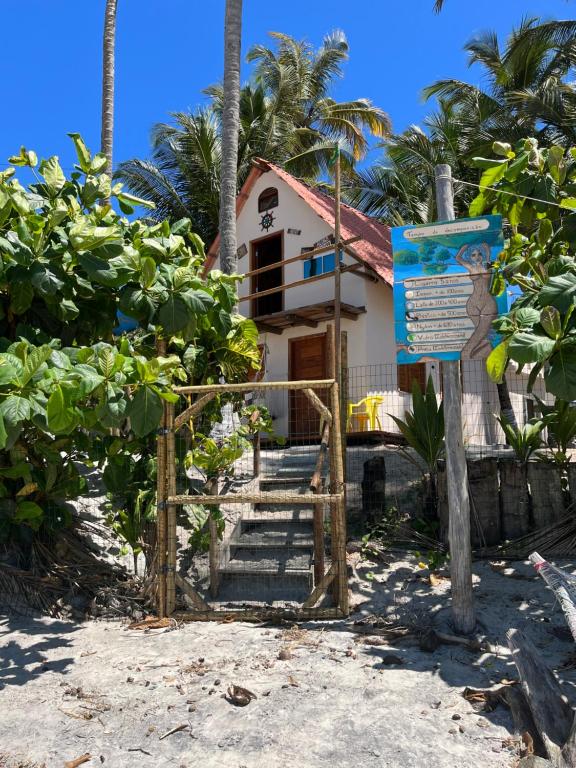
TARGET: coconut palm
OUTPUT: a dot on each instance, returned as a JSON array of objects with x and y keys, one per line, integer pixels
[
  {"x": 525, "y": 81},
  {"x": 400, "y": 189},
  {"x": 183, "y": 177},
  {"x": 109, "y": 40},
  {"x": 297, "y": 81},
  {"x": 230, "y": 123},
  {"x": 286, "y": 116},
  {"x": 526, "y": 94}
]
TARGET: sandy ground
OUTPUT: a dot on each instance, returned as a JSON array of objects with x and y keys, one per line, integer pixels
[{"x": 67, "y": 689}]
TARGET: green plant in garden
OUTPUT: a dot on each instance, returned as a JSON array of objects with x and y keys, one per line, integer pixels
[
  {"x": 560, "y": 421},
  {"x": 423, "y": 428},
  {"x": 535, "y": 190},
  {"x": 524, "y": 440},
  {"x": 68, "y": 263}
]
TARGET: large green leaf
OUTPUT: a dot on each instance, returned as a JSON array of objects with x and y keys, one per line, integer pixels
[
  {"x": 559, "y": 291},
  {"x": 145, "y": 411},
  {"x": 45, "y": 280},
  {"x": 35, "y": 359},
  {"x": 551, "y": 321},
  {"x": 99, "y": 270},
  {"x": 135, "y": 302},
  {"x": 30, "y": 514},
  {"x": 15, "y": 409},
  {"x": 197, "y": 301},
  {"x": 530, "y": 348},
  {"x": 3, "y": 434},
  {"x": 174, "y": 314},
  {"x": 496, "y": 362},
  {"x": 53, "y": 174},
  {"x": 9, "y": 370},
  {"x": 86, "y": 379},
  {"x": 560, "y": 376},
  {"x": 82, "y": 152},
  {"x": 21, "y": 297},
  {"x": 60, "y": 415}
]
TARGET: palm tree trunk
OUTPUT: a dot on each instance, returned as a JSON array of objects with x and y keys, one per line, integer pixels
[
  {"x": 109, "y": 40},
  {"x": 230, "y": 129}
]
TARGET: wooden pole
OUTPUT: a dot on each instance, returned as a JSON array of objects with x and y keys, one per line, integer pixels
[
  {"x": 463, "y": 614},
  {"x": 344, "y": 400},
  {"x": 171, "y": 532},
  {"x": 338, "y": 509},
  {"x": 161, "y": 501},
  {"x": 214, "y": 551},
  {"x": 337, "y": 273}
]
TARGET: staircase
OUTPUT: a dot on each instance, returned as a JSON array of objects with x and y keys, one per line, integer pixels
[{"x": 269, "y": 558}]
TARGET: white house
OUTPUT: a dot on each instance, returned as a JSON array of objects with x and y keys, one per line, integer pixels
[{"x": 279, "y": 218}]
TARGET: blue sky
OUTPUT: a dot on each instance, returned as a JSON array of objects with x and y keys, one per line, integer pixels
[{"x": 167, "y": 52}]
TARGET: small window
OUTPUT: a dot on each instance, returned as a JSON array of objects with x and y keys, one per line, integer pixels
[
  {"x": 320, "y": 265},
  {"x": 268, "y": 199}
]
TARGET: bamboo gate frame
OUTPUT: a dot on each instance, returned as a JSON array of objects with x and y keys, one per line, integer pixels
[{"x": 168, "y": 500}]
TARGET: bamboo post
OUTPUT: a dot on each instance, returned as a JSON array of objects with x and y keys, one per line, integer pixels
[
  {"x": 456, "y": 471},
  {"x": 330, "y": 361},
  {"x": 338, "y": 513},
  {"x": 343, "y": 383},
  {"x": 171, "y": 510},
  {"x": 161, "y": 502},
  {"x": 214, "y": 551},
  {"x": 315, "y": 485},
  {"x": 337, "y": 273}
]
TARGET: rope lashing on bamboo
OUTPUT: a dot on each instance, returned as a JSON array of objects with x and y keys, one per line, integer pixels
[{"x": 563, "y": 585}]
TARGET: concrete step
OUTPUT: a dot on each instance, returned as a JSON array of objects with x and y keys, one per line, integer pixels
[
  {"x": 267, "y": 533},
  {"x": 286, "y": 514},
  {"x": 276, "y": 562}
]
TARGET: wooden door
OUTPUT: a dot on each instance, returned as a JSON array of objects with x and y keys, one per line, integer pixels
[{"x": 307, "y": 360}]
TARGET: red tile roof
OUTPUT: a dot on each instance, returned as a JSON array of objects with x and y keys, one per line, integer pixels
[{"x": 374, "y": 249}]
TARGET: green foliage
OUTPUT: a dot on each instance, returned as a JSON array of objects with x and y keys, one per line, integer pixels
[
  {"x": 560, "y": 420},
  {"x": 523, "y": 440},
  {"x": 198, "y": 516},
  {"x": 533, "y": 190},
  {"x": 68, "y": 263},
  {"x": 213, "y": 457},
  {"x": 423, "y": 427}
]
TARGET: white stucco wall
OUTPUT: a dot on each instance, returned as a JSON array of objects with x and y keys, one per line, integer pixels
[{"x": 292, "y": 213}]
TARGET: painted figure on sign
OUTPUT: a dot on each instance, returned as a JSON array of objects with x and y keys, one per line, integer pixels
[{"x": 481, "y": 307}]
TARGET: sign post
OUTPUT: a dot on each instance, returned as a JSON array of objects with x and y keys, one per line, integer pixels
[{"x": 463, "y": 613}]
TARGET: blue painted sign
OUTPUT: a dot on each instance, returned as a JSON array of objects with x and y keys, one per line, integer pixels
[{"x": 443, "y": 308}]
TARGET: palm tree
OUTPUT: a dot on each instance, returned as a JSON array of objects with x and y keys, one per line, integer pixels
[
  {"x": 286, "y": 116},
  {"x": 109, "y": 40},
  {"x": 525, "y": 79},
  {"x": 230, "y": 129},
  {"x": 526, "y": 94},
  {"x": 183, "y": 177},
  {"x": 400, "y": 189},
  {"x": 297, "y": 81}
]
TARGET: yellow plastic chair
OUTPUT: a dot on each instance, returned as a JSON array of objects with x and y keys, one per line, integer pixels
[{"x": 367, "y": 416}]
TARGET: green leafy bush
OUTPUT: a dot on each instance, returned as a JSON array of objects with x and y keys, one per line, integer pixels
[{"x": 68, "y": 264}]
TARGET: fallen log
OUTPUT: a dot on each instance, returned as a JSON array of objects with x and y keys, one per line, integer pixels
[{"x": 553, "y": 717}]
